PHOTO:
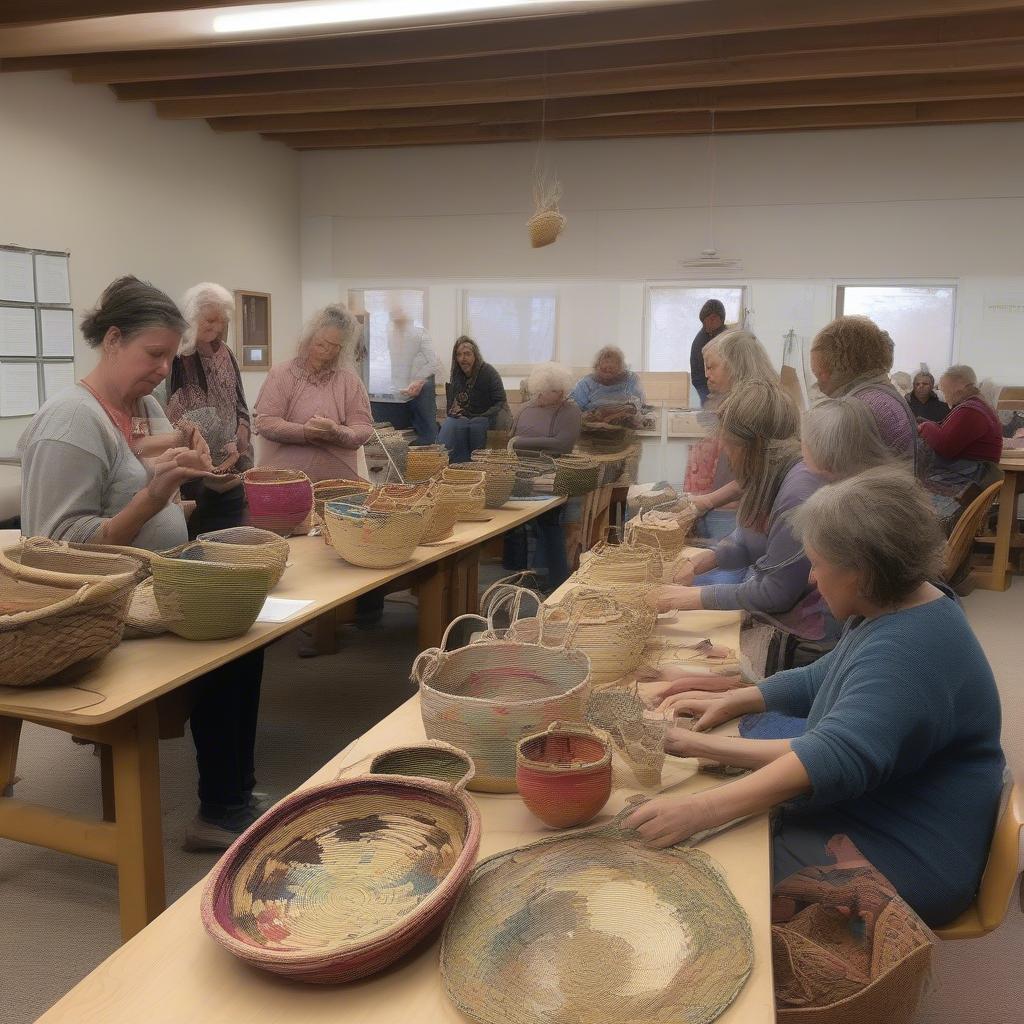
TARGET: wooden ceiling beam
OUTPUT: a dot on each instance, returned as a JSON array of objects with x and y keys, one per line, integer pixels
[
  {"x": 693, "y": 19},
  {"x": 874, "y": 115},
  {"x": 920, "y": 32},
  {"x": 28, "y": 12},
  {"x": 787, "y": 95},
  {"x": 696, "y": 74}
]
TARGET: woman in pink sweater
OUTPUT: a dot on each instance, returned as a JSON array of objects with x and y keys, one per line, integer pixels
[{"x": 312, "y": 412}]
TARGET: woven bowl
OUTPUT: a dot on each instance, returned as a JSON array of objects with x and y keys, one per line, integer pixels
[
  {"x": 424, "y": 461},
  {"x": 431, "y": 760},
  {"x": 545, "y": 227},
  {"x": 499, "y": 480},
  {"x": 330, "y": 490},
  {"x": 574, "y": 475},
  {"x": 42, "y": 559},
  {"x": 248, "y": 545},
  {"x": 564, "y": 774},
  {"x": 336, "y": 882},
  {"x": 375, "y": 539},
  {"x": 279, "y": 500},
  {"x": 200, "y": 599}
]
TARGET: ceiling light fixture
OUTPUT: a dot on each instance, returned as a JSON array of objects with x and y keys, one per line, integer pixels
[{"x": 355, "y": 11}]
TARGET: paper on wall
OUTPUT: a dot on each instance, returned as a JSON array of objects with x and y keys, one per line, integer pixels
[
  {"x": 17, "y": 331},
  {"x": 57, "y": 377},
  {"x": 53, "y": 284},
  {"x": 19, "y": 389},
  {"x": 16, "y": 277},
  {"x": 57, "y": 327}
]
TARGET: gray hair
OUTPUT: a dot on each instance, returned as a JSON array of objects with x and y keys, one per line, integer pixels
[
  {"x": 198, "y": 298},
  {"x": 902, "y": 381},
  {"x": 965, "y": 375},
  {"x": 842, "y": 439},
  {"x": 610, "y": 352},
  {"x": 879, "y": 524},
  {"x": 132, "y": 306},
  {"x": 549, "y": 377},
  {"x": 744, "y": 356},
  {"x": 923, "y": 373},
  {"x": 339, "y": 317}
]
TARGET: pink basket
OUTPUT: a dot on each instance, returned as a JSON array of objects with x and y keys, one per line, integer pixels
[{"x": 279, "y": 500}]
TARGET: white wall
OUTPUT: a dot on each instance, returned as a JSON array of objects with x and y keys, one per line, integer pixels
[
  {"x": 174, "y": 203},
  {"x": 803, "y": 210}
]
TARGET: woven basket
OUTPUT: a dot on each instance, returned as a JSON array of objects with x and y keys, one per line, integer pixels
[
  {"x": 617, "y": 564},
  {"x": 529, "y": 468},
  {"x": 575, "y": 474},
  {"x": 593, "y": 927},
  {"x": 376, "y": 538},
  {"x": 330, "y": 490},
  {"x": 465, "y": 490},
  {"x": 42, "y": 560},
  {"x": 389, "y": 445},
  {"x": 430, "y": 760},
  {"x": 425, "y": 461},
  {"x": 499, "y": 480},
  {"x": 280, "y": 500},
  {"x": 338, "y": 881},
  {"x": 485, "y": 697},
  {"x": 242, "y": 545},
  {"x": 545, "y": 227},
  {"x": 667, "y": 536},
  {"x": 605, "y": 438},
  {"x": 45, "y": 627},
  {"x": 200, "y": 599},
  {"x": 648, "y": 500}
]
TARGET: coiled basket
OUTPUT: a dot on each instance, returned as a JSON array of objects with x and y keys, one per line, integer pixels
[
  {"x": 376, "y": 538},
  {"x": 280, "y": 500}
]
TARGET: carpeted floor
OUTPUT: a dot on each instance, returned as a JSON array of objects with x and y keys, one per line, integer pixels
[{"x": 59, "y": 914}]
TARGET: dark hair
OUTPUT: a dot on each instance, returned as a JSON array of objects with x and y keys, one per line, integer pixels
[
  {"x": 478, "y": 359},
  {"x": 131, "y": 306}
]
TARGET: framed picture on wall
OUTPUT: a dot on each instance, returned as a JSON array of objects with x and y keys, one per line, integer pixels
[{"x": 252, "y": 329}]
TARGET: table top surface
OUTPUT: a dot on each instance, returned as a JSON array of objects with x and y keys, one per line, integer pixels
[
  {"x": 1012, "y": 463},
  {"x": 172, "y": 971},
  {"x": 138, "y": 671}
]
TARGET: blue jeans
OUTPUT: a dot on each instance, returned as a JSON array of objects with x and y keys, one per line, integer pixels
[
  {"x": 463, "y": 435},
  {"x": 717, "y": 525},
  {"x": 419, "y": 413},
  {"x": 550, "y": 549}
]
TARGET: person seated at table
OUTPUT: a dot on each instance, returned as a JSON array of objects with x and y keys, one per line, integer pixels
[
  {"x": 839, "y": 439},
  {"x": 86, "y": 477},
  {"x": 205, "y": 386},
  {"x": 791, "y": 623},
  {"x": 612, "y": 393},
  {"x": 476, "y": 401},
  {"x": 853, "y": 356},
  {"x": 923, "y": 402},
  {"x": 964, "y": 449},
  {"x": 313, "y": 411},
  {"x": 901, "y": 752}
]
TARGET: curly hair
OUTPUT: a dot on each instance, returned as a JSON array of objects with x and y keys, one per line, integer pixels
[
  {"x": 198, "y": 298},
  {"x": 337, "y": 316},
  {"x": 851, "y": 347}
]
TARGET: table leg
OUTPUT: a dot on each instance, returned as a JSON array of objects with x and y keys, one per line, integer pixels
[
  {"x": 473, "y": 580},
  {"x": 140, "y": 856},
  {"x": 999, "y": 577},
  {"x": 432, "y": 599},
  {"x": 107, "y": 781},
  {"x": 10, "y": 736}
]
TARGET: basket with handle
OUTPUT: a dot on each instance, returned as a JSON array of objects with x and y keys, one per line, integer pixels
[
  {"x": 465, "y": 491},
  {"x": 243, "y": 545},
  {"x": 665, "y": 533},
  {"x": 425, "y": 461},
  {"x": 280, "y": 500},
  {"x": 530, "y": 467},
  {"x": 575, "y": 474},
  {"x": 647, "y": 500},
  {"x": 330, "y": 490},
  {"x": 617, "y": 564},
  {"x": 376, "y": 538},
  {"x": 485, "y": 697},
  {"x": 499, "y": 480}
]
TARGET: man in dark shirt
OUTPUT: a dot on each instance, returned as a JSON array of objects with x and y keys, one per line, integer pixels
[
  {"x": 923, "y": 401},
  {"x": 712, "y": 319}
]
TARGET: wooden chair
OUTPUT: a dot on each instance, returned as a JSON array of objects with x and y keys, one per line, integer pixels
[
  {"x": 1002, "y": 874},
  {"x": 968, "y": 526}
]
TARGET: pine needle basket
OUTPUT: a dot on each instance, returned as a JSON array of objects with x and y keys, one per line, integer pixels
[
  {"x": 376, "y": 538},
  {"x": 618, "y": 564},
  {"x": 337, "y": 882},
  {"x": 575, "y": 474},
  {"x": 425, "y": 461},
  {"x": 280, "y": 500},
  {"x": 485, "y": 697},
  {"x": 201, "y": 599},
  {"x": 244, "y": 545},
  {"x": 593, "y": 927},
  {"x": 45, "y": 627},
  {"x": 499, "y": 480}
]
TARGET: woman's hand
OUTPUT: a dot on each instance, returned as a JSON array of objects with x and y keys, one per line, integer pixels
[
  {"x": 192, "y": 438},
  {"x": 319, "y": 429},
  {"x": 172, "y": 469},
  {"x": 693, "y": 566},
  {"x": 669, "y": 598},
  {"x": 712, "y": 710},
  {"x": 242, "y": 439},
  {"x": 414, "y": 388},
  {"x": 667, "y": 820},
  {"x": 701, "y": 503}
]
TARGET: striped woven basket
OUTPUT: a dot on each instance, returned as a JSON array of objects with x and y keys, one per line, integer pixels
[
  {"x": 246, "y": 545},
  {"x": 200, "y": 599},
  {"x": 280, "y": 500},
  {"x": 618, "y": 564},
  {"x": 465, "y": 490},
  {"x": 485, "y": 697},
  {"x": 339, "y": 881},
  {"x": 499, "y": 480},
  {"x": 665, "y": 535},
  {"x": 425, "y": 461},
  {"x": 575, "y": 474},
  {"x": 376, "y": 538},
  {"x": 52, "y": 620}
]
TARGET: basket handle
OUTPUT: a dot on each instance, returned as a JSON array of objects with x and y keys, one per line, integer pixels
[
  {"x": 459, "y": 618},
  {"x": 457, "y": 786}
]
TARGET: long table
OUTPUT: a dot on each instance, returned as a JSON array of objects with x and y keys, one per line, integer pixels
[
  {"x": 172, "y": 971},
  {"x": 1008, "y": 536},
  {"x": 139, "y": 694}
]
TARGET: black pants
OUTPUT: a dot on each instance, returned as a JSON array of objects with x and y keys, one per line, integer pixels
[
  {"x": 215, "y": 510},
  {"x": 224, "y": 730}
]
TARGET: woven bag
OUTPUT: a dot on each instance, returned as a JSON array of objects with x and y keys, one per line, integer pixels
[
  {"x": 575, "y": 474},
  {"x": 337, "y": 882},
  {"x": 280, "y": 500},
  {"x": 499, "y": 480},
  {"x": 200, "y": 599},
  {"x": 425, "y": 460},
  {"x": 485, "y": 697},
  {"x": 376, "y": 538},
  {"x": 46, "y": 627},
  {"x": 615, "y": 564},
  {"x": 545, "y": 227},
  {"x": 242, "y": 545},
  {"x": 593, "y": 927}
]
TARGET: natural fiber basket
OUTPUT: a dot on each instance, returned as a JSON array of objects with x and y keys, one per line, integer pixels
[
  {"x": 485, "y": 697},
  {"x": 425, "y": 460},
  {"x": 617, "y": 564},
  {"x": 430, "y": 760},
  {"x": 242, "y": 545},
  {"x": 594, "y": 927},
  {"x": 529, "y": 468},
  {"x": 46, "y": 627},
  {"x": 499, "y": 480},
  {"x": 637, "y": 503},
  {"x": 665, "y": 535},
  {"x": 465, "y": 490},
  {"x": 545, "y": 227},
  {"x": 330, "y": 490},
  {"x": 575, "y": 474},
  {"x": 605, "y": 438},
  {"x": 376, "y": 538},
  {"x": 42, "y": 560},
  {"x": 279, "y": 500},
  {"x": 338, "y": 881},
  {"x": 200, "y": 599}
]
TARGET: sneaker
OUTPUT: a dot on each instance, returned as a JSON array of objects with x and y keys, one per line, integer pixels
[
  {"x": 261, "y": 802},
  {"x": 208, "y": 835}
]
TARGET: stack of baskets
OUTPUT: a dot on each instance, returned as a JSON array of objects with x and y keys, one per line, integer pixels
[
  {"x": 499, "y": 480},
  {"x": 575, "y": 474},
  {"x": 280, "y": 500},
  {"x": 330, "y": 490},
  {"x": 425, "y": 461},
  {"x": 528, "y": 467},
  {"x": 464, "y": 490},
  {"x": 377, "y": 538}
]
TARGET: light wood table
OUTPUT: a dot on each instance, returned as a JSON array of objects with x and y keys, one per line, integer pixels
[
  {"x": 172, "y": 971},
  {"x": 139, "y": 694},
  {"x": 1007, "y": 535}
]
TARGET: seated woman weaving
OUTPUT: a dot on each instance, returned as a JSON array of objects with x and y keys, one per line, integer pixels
[{"x": 901, "y": 752}]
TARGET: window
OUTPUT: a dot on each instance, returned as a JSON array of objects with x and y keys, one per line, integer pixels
[
  {"x": 672, "y": 322},
  {"x": 514, "y": 329},
  {"x": 919, "y": 319},
  {"x": 376, "y": 305}
]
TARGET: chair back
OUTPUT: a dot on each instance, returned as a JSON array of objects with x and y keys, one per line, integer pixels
[{"x": 958, "y": 546}]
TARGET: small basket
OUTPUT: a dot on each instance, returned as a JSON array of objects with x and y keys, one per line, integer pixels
[
  {"x": 667, "y": 536},
  {"x": 465, "y": 490},
  {"x": 544, "y": 227},
  {"x": 431, "y": 760},
  {"x": 376, "y": 538},
  {"x": 425, "y": 461},
  {"x": 499, "y": 480},
  {"x": 611, "y": 565},
  {"x": 245, "y": 545},
  {"x": 280, "y": 500},
  {"x": 575, "y": 474}
]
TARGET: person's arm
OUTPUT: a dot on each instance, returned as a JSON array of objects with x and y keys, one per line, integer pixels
[
  {"x": 581, "y": 394},
  {"x": 636, "y": 389},
  {"x": 955, "y": 433},
  {"x": 698, "y": 377},
  {"x": 725, "y": 495},
  {"x": 426, "y": 362},
  {"x": 496, "y": 397},
  {"x": 243, "y": 434},
  {"x": 358, "y": 426},
  {"x": 792, "y": 691},
  {"x": 271, "y": 408}
]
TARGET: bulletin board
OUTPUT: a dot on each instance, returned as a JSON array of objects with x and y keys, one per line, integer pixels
[{"x": 37, "y": 328}]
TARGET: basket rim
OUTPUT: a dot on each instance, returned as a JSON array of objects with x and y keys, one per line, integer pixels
[
  {"x": 551, "y": 768},
  {"x": 59, "y": 578},
  {"x": 86, "y": 596},
  {"x": 291, "y": 476}
]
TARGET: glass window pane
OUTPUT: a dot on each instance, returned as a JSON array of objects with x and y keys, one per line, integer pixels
[
  {"x": 672, "y": 322},
  {"x": 511, "y": 328},
  {"x": 378, "y": 303}
]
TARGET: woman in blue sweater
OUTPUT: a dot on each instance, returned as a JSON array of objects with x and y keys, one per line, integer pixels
[{"x": 901, "y": 751}]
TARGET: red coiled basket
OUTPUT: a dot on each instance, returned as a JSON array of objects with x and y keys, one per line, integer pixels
[{"x": 279, "y": 500}]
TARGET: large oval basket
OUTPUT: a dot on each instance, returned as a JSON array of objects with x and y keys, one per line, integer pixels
[
  {"x": 338, "y": 881},
  {"x": 486, "y": 697},
  {"x": 280, "y": 500}
]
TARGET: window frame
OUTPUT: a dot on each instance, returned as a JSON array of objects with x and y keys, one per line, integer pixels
[{"x": 517, "y": 290}]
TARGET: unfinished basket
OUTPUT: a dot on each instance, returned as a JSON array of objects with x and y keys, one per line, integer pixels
[
  {"x": 575, "y": 474},
  {"x": 376, "y": 538},
  {"x": 244, "y": 545},
  {"x": 485, "y": 697},
  {"x": 605, "y": 438},
  {"x": 336, "y": 882},
  {"x": 545, "y": 227},
  {"x": 280, "y": 500},
  {"x": 666, "y": 535},
  {"x": 425, "y": 461},
  {"x": 200, "y": 599},
  {"x": 499, "y": 480},
  {"x": 617, "y": 564},
  {"x": 648, "y": 500},
  {"x": 45, "y": 627}
]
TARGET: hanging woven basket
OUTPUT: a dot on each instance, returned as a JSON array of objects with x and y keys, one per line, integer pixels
[
  {"x": 545, "y": 226},
  {"x": 280, "y": 500}
]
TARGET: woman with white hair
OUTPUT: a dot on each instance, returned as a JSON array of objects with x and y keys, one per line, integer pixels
[
  {"x": 613, "y": 392},
  {"x": 840, "y": 439},
  {"x": 205, "y": 388},
  {"x": 313, "y": 410},
  {"x": 965, "y": 447},
  {"x": 901, "y": 752}
]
